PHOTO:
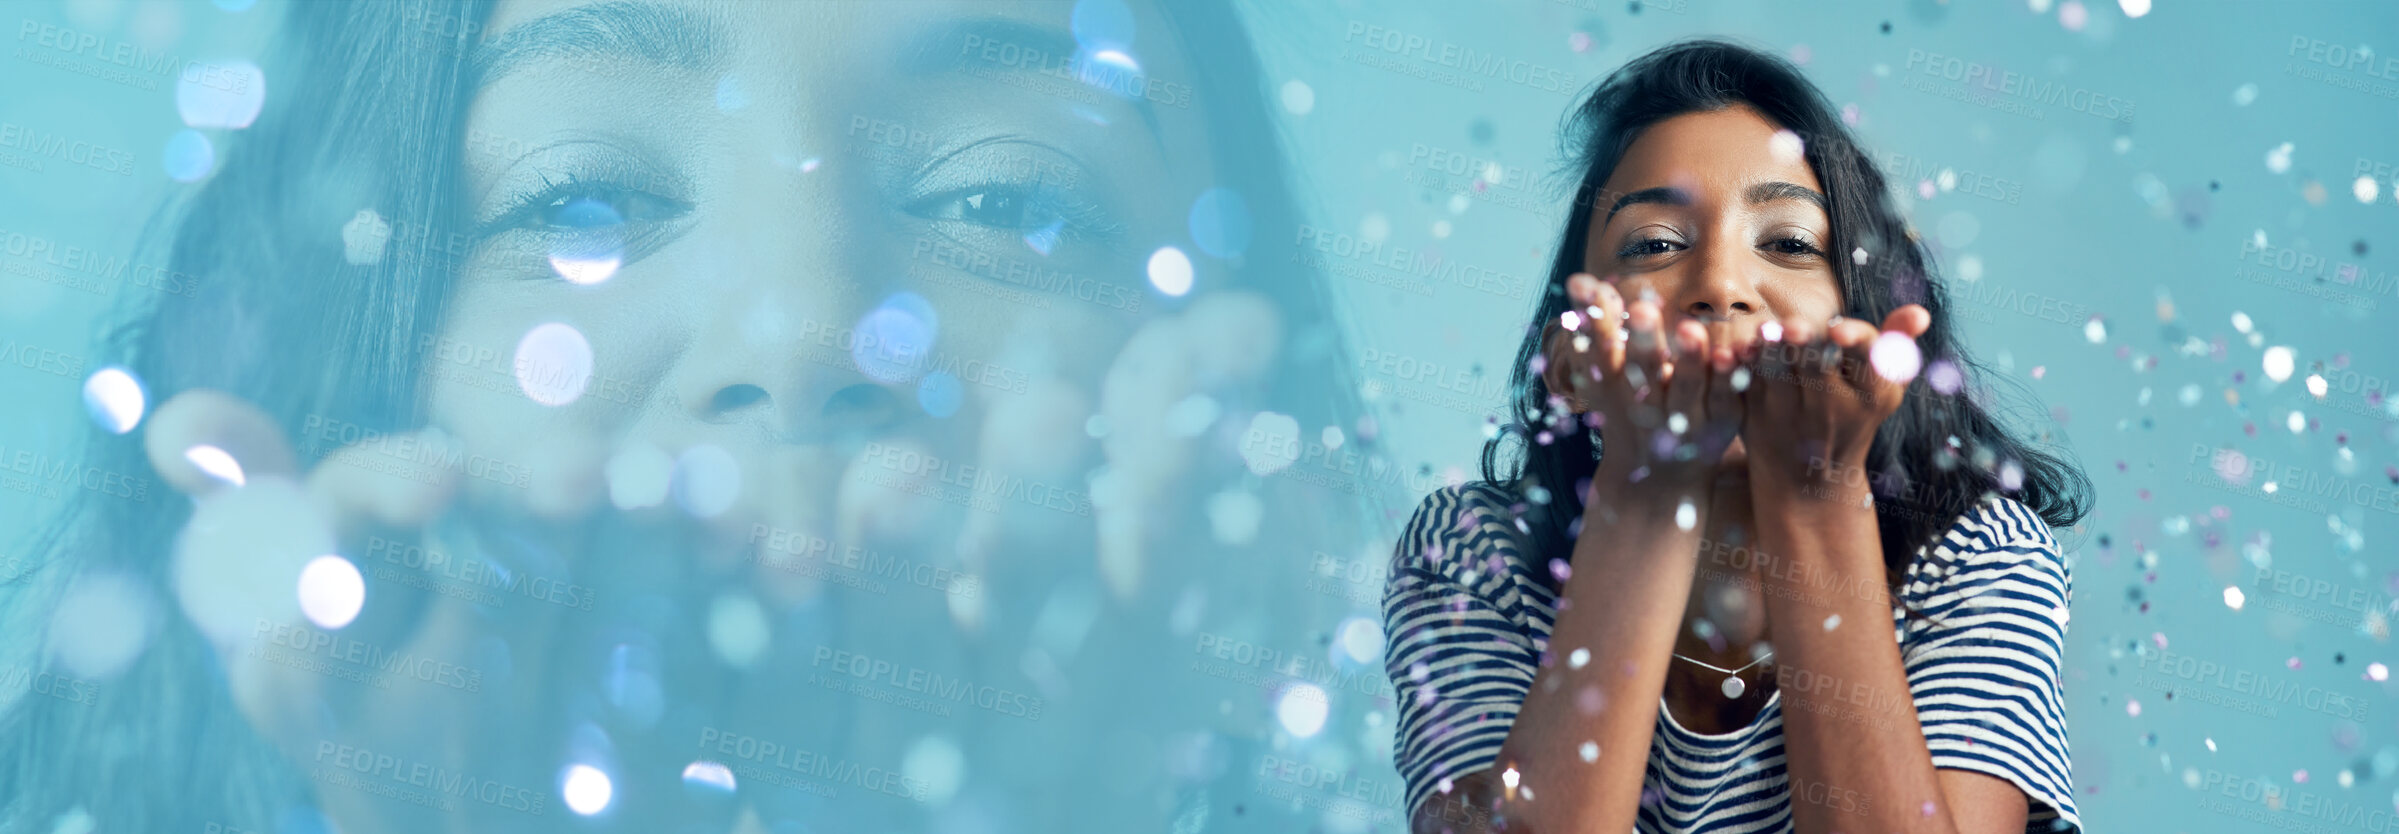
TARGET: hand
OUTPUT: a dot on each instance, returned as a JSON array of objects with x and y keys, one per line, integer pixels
[
  {"x": 1663, "y": 394},
  {"x": 1822, "y": 393},
  {"x": 318, "y": 689}
]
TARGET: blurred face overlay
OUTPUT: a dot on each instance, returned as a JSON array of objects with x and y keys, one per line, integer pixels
[{"x": 841, "y": 389}]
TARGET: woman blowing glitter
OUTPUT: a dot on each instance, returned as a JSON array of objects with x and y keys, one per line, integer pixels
[{"x": 1748, "y": 434}]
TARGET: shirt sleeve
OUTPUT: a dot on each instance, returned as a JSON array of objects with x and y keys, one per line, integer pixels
[
  {"x": 1984, "y": 652},
  {"x": 1459, "y": 653}
]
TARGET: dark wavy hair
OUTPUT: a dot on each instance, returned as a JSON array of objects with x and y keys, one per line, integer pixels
[{"x": 1937, "y": 456}]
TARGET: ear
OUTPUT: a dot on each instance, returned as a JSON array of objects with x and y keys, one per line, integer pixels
[{"x": 1556, "y": 375}]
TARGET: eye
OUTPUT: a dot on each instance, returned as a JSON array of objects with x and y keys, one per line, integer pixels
[
  {"x": 1646, "y": 247},
  {"x": 578, "y": 206},
  {"x": 1793, "y": 245},
  {"x": 1008, "y": 207}
]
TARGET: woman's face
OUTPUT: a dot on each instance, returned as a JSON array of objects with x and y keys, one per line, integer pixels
[
  {"x": 1725, "y": 223},
  {"x": 817, "y": 252}
]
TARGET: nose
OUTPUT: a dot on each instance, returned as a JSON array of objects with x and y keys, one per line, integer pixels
[
  {"x": 1722, "y": 288},
  {"x": 777, "y": 357}
]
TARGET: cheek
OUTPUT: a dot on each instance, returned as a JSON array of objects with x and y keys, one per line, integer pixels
[
  {"x": 1817, "y": 299},
  {"x": 513, "y": 360}
]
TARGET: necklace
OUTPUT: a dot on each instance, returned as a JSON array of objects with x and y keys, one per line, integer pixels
[{"x": 1733, "y": 687}]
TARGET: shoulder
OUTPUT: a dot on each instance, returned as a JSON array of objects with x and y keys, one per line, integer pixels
[
  {"x": 1476, "y": 518},
  {"x": 1470, "y": 536},
  {"x": 1997, "y": 546}
]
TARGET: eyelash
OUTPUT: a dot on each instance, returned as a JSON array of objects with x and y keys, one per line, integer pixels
[
  {"x": 527, "y": 207},
  {"x": 1635, "y": 249},
  {"x": 1073, "y": 216}
]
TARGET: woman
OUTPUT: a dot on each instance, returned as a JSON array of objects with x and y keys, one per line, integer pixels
[
  {"x": 754, "y": 416},
  {"x": 1706, "y": 377}
]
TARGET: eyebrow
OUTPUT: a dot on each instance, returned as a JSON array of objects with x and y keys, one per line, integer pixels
[
  {"x": 1764, "y": 192},
  {"x": 950, "y": 48},
  {"x": 669, "y": 36},
  {"x": 1767, "y": 192},
  {"x": 1662, "y": 195}
]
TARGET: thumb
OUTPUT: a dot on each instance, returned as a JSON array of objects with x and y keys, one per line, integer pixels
[{"x": 1912, "y": 320}]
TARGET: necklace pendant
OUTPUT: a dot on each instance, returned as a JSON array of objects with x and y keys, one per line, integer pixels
[{"x": 1733, "y": 687}]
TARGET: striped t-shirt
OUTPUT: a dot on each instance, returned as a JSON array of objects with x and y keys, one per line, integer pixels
[{"x": 1468, "y": 617}]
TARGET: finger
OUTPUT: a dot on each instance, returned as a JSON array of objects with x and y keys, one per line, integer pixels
[
  {"x": 1854, "y": 339},
  {"x": 1727, "y": 378},
  {"x": 1582, "y": 290},
  {"x": 203, "y": 440},
  {"x": 1609, "y": 334},
  {"x": 1687, "y": 392},
  {"x": 380, "y": 481},
  {"x": 1645, "y": 348},
  {"x": 1912, "y": 320}
]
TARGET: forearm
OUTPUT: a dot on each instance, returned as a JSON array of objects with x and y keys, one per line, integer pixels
[
  {"x": 1622, "y": 605},
  {"x": 1849, "y": 717}
]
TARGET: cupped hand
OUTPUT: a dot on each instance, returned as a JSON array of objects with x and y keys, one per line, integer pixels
[
  {"x": 1822, "y": 391},
  {"x": 367, "y": 698},
  {"x": 1664, "y": 394}
]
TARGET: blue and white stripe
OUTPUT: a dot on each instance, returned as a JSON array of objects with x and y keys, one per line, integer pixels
[{"x": 1468, "y": 615}]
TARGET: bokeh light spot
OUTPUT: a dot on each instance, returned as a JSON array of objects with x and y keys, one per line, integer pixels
[
  {"x": 587, "y": 789},
  {"x": 1170, "y": 271},
  {"x": 223, "y": 95},
  {"x": 331, "y": 591},
  {"x": 188, "y": 156},
  {"x": 1302, "y": 709},
  {"x": 114, "y": 397},
  {"x": 553, "y": 364},
  {"x": 1221, "y": 223},
  {"x": 1896, "y": 357}
]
